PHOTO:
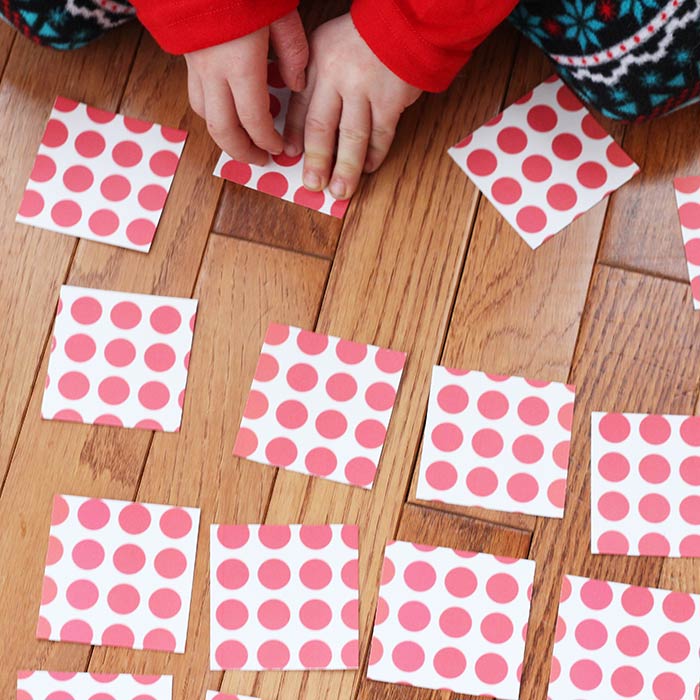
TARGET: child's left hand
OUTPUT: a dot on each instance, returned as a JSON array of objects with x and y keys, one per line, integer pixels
[{"x": 351, "y": 97}]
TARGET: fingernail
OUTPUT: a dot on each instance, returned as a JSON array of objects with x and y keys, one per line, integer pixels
[
  {"x": 312, "y": 181},
  {"x": 291, "y": 149},
  {"x": 338, "y": 189},
  {"x": 276, "y": 151},
  {"x": 300, "y": 81}
]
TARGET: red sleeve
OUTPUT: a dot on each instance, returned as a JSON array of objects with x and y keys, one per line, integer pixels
[
  {"x": 426, "y": 42},
  {"x": 181, "y": 26}
]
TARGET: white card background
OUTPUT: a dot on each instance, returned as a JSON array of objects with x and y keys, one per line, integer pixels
[{"x": 687, "y": 191}]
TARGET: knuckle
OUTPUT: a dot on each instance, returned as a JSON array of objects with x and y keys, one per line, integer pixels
[
  {"x": 316, "y": 124},
  {"x": 353, "y": 135},
  {"x": 347, "y": 168}
]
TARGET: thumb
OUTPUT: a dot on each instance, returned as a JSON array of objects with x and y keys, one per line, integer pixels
[{"x": 289, "y": 42}]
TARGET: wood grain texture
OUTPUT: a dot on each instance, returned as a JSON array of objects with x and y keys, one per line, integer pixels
[
  {"x": 638, "y": 350},
  {"x": 643, "y": 232}
]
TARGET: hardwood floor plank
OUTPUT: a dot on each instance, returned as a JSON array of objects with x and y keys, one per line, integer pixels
[
  {"x": 392, "y": 283},
  {"x": 643, "y": 232},
  {"x": 638, "y": 350},
  {"x": 33, "y": 262}
]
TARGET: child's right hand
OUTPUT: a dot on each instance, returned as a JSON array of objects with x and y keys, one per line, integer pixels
[{"x": 227, "y": 87}]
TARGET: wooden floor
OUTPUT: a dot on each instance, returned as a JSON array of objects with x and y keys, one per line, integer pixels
[{"x": 422, "y": 263}]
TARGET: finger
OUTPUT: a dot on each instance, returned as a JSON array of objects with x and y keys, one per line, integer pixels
[
  {"x": 296, "y": 118},
  {"x": 380, "y": 139},
  {"x": 195, "y": 93},
  {"x": 224, "y": 126},
  {"x": 353, "y": 138},
  {"x": 320, "y": 134},
  {"x": 289, "y": 42},
  {"x": 252, "y": 101}
]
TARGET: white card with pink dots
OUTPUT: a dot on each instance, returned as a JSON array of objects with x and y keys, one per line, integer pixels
[
  {"x": 282, "y": 176},
  {"x": 543, "y": 161},
  {"x": 101, "y": 176},
  {"x": 619, "y": 641},
  {"x": 449, "y": 619},
  {"x": 217, "y": 695},
  {"x": 645, "y": 484},
  {"x": 320, "y": 405},
  {"x": 688, "y": 199},
  {"x": 118, "y": 573},
  {"x": 497, "y": 442},
  {"x": 119, "y": 359},
  {"x": 57, "y": 685},
  {"x": 284, "y": 597}
]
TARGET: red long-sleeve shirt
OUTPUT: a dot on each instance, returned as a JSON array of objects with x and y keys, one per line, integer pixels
[{"x": 425, "y": 42}]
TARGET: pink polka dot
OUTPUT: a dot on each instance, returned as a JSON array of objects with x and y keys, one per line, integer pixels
[
  {"x": 531, "y": 219},
  {"x": 281, "y": 452},
  {"x": 160, "y": 639},
  {"x": 536, "y": 168},
  {"x": 492, "y": 405},
  {"x": 449, "y": 662},
  {"x": 315, "y": 574},
  {"x": 460, "y": 582},
  {"x": 48, "y": 590},
  {"x": 44, "y": 169},
  {"x": 482, "y": 481},
  {"x": 533, "y": 410},
  {"x": 152, "y": 197},
  {"x": 232, "y": 614},
  {"x": 164, "y": 603},
  {"x": 55, "y": 135},
  {"x": 76, "y": 631},
  {"x": 274, "y": 536},
  {"x": 159, "y": 357},
  {"x": 140, "y": 231},
  {"x": 59, "y": 510},
  {"x": 596, "y": 595},
  {"x": 487, "y": 443},
  {"x": 690, "y": 431},
  {"x": 68, "y": 415},
  {"x": 613, "y": 466},
  {"x": 389, "y": 361},
  {"x": 350, "y": 654},
  {"x": 441, "y": 475},
  {"x": 408, "y": 656},
  {"x": 613, "y": 506},
  {"x": 591, "y": 175},
  {"x": 690, "y": 510},
  {"x": 113, "y": 390},
  {"x": 687, "y": 185},
  {"x": 66, "y": 213},
  {"x": 370, "y": 434},
  {"x": 127, "y": 154},
  {"x": 291, "y": 414},
  {"x": 617, "y": 156},
  {"x": 246, "y": 443},
  {"x": 502, "y": 588},
  {"x": 240, "y": 173},
  {"x": 614, "y": 427},
  {"x": 455, "y": 622},
  {"x": 164, "y": 163},
  {"x": 567, "y": 146},
  {"x": 632, "y": 640},
  {"x": 321, "y": 461},
  {"x": 119, "y": 352},
  {"x": 692, "y": 251},
  {"x": 674, "y": 647},
  {"x": 447, "y": 437},
  {"x": 360, "y": 471},
  {"x": 256, "y": 405},
  {"x": 654, "y": 469},
  {"x": 380, "y": 396},
  {"x": 273, "y": 654},
  {"x": 89, "y": 144},
  {"x": 567, "y": 100},
  {"x": 481, "y": 162},
  {"x": 304, "y": 197},
  {"x": 341, "y": 386},
  {"x": 82, "y": 594},
  {"x": 78, "y": 178},
  {"x": 586, "y": 674},
  {"x": 103, "y": 222},
  {"x": 654, "y": 508},
  {"x": 316, "y": 536},
  {"x": 129, "y": 559},
  {"x": 689, "y": 214},
  {"x": 165, "y": 319},
  {"x": 273, "y": 183},
  {"x": 350, "y": 574},
  {"x": 522, "y": 488},
  {"x": 419, "y": 576},
  {"x": 137, "y": 126},
  {"x": 653, "y": 544},
  {"x": 627, "y": 681},
  {"x": 100, "y": 116},
  {"x": 175, "y": 523},
  {"x": 55, "y": 550},
  {"x": 491, "y": 668},
  {"x": 316, "y": 615},
  {"x": 414, "y": 616},
  {"x": 668, "y": 686},
  {"x": 562, "y": 197},
  {"x": 332, "y": 424},
  {"x": 274, "y": 574},
  {"x": 232, "y": 574},
  {"x": 123, "y": 599},
  {"x": 93, "y": 514},
  {"x": 613, "y": 543},
  {"x": 637, "y": 601},
  {"x": 528, "y": 449},
  {"x": 512, "y": 140},
  {"x": 591, "y": 634},
  {"x": 233, "y": 536},
  {"x": 315, "y": 654},
  {"x": 231, "y": 655},
  {"x": 542, "y": 118},
  {"x": 115, "y": 188},
  {"x": 134, "y": 519},
  {"x": 506, "y": 190},
  {"x": 125, "y": 315},
  {"x": 497, "y": 628},
  {"x": 654, "y": 429},
  {"x": 32, "y": 204},
  {"x": 80, "y": 347},
  {"x": 690, "y": 546},
  {"x": 116, "y": 636},
  {"x": 88, "y": 554},
  {"x": 301, "y": 377}
]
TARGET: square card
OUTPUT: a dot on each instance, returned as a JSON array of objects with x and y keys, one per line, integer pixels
[
  {"x": 119, "y": 359},
  {"x": 284, "y": 597},
  {"x": 101, "y": 176},
  {"x": 543, "y": 161},
  {"x": 645, "y": 484},
  {"x": 118, "y": 573},
  {"x": 620, "y": 641},
  {"x": 55, "y": 685},
  {"x": 320, "y": 405},
  {"x": 497, "y": 442},
  {"x": 687, "y": 191},
  {"x": 282, "y": 175},
  {"x": 448, "y": 619}
]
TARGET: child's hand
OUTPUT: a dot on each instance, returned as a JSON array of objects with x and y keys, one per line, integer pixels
[
  {"x": 350, "y": 96},
  {"x": 227, "y": 86}
]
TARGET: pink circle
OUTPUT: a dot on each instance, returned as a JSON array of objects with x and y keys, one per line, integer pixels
[
  {"x": 237, "y": 172},
  {"x": 586, "y": 674},
  {"x": 492, "y": 405},
  {"x": 274, "y": 536},
  {"x": 315, "y": 654},
  {"x": 86, "y": 310},
  {"x": 125, "y": 315},
  {"x": 369, "y": 433},
  {"x": 175, "y": 523},
  {"x": 316, "y": 536},
  {"x": 59, "y": 510},
  {"x": 154, "y": 395},
  {"x": 315, "y": 574},
  {"x": 55, "y": 135},
  {"x": 668, "y": 686},
  {"x": 273, "y": 183},
  {"x": 281, "y": 452},
  {"x": 307, "y": 198},
  {"x": 321, "y": 461},
  {"x": 522, "y": 488},
  {"x": 276, "y": 334},
  {"x": 419, "y": 576},
  {"x": 613, "y": 466},
  {"x": 78, "y": 178},
  {"x": 562, "y": 197},
  {"x": 165, "y": 319},
  {"x": 88, "y": 554},
  {"x": 653, "y": 544},
  {"x": 690, "y": 510},
  {"x": 80, "y": 347},
  {"x": 482, "y": 481},
  {"x": 332, "y": 424},
  {"x": 55, "y": 550},
  {"x": 460, "y": 582},
  {"x": 528, "y": 449},
  {"x": 380, "y": 396},
  {"x": 360, "y": 471},
  {"x": 123, "y": 599},
  {"x": 349, "y": 352},
  {"x": 506, "y": 190},
  {"x": 654, "y": 508},
  {"x": 291, "y": 414},
  {"x": 89, "y": 144},
  {"x": 613, "y": 543},
  {"x": 103, "y": 222},
  {"x": 170, "y": 563},
  {"x": 596, "y": 595},
  {"x": 617, "y": 157},
  {"x": 134, "y": 518},
  {"x": 246, "y": 443},
  {"x": 449, "y": 662},
  {"x": 115, "y": 188},
  {"x": 689, "y": 214},
  {"x": 614, "y": 427},
  {"x": 82, "y": 594},
  {"x": 66, "y": 213},
  {"x": 231, "y": 655},
  {"x": 591, "y": 175},
  {"x": 654, "y": 469},
  {"x": 536, "y": 168},
  {"x": 654, "y": 429},
  {"x": 542, "y": 118},
  {"x": 567, "y": 100},
  {"x": 164, "y": 163},
  {"x": 32, "y": 204},
  {"x": 626, "y": 681},
  {"x": 301, "y": 377},
  {"x": 692, "y": 251},
  {"x": 512, "y": 140},
  {"x": 267, "y": 368},
  {"x": 48, "y": 590},
  {"x": 690, "y": 546},
  {"x": 316, "y": 614},
  {"x": 531, "y": 219},
  {"x": 591, "y": 634},
  {"x": 164, "y": 603},
  {"x": 232, "y": 614},
  {"x": 233, "y": 536},
  {"x": 140, "y": 231},
  {"x": 491, "y": 668},
  {"x": 129, "y": 559},
  {"x": 441, "y": 475},
  {"x": 119, "y": 352},
  {"x": 389, "y": 361},
  {"x": 341, "y": 386},
  {"x": 632, "y": 640},
  {"x": 256, "y": 405},
  {"x": 567, "y": 146},
  {"x": 533, "y": 410},
  {"x": 273, "y": 654},
  {"x": 487, "y": 443},
  {"x": 232, "y": 574},
  {"x": 76, "y": 631},
  {"x": 690, "y": 431},
  {"x": 455, "y": 622},
  {"x": 115, "y": 636},
  {"x": 481, "y": 162},
  {"x": 159, "y": 357},
  {"x": 613, "y": 506},
  {"x": 274, "y": 574},
  {"x": 674, "y": 647},
  {"x": 44, "y": 169},
  {"x": 414, "y": 616},
  {"x": 350, "y": 574},
  {"x": 408, "y": 656},
  {"x": 93, "y": 514},
  {"x": 497, "y": 628},
  {"x": 113, "y": 390},
  {"x": 502, "y": 588},
  {"x": 447, "y": 437},
  {"x": 127, "y": 154},
  {"x": 152, "y": 197},
  {"x": 637, "y": 601}
]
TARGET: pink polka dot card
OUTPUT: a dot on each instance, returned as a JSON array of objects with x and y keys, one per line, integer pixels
[
  {"x": 282, "y": 176},
  {"x": 119, "y": 359},
  {"x": 216, "y": 695},
  {"x": 645, "y": 484},
  {"x": 543, "y": 161},
  {"x": 118, "y": 574},
  {"x": 101, "y": 176},
  {"x": 497, "y": 442},
  {"x": 688, "y": 198},
  {"x": 320, "y": 405},
  {"x": 620, "y": 641},
  {"x": 284, "y": 597},
  {"x": 55, "y": 685},
  {"x": 448, "y": 619}
]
